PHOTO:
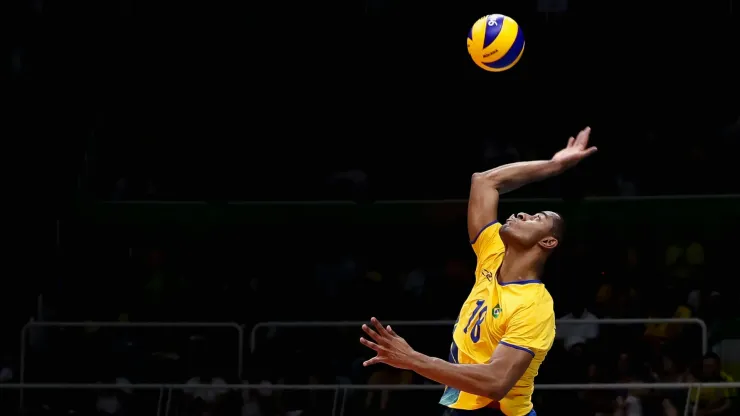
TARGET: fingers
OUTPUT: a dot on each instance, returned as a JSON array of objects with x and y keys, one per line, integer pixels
[
  {"x": 582, "y": 138},
  {"x": 374, "y": 335},
  {"x": 379, "y": 327},
  {"x": 374, "y": 360},
  {"x": 373, "y": 346},
  {"x": 570, "y": 142},
  {"x": 391, "y": 331},
  {"x": 591, "y": 150}
]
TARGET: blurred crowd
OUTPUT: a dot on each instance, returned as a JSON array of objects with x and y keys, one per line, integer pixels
[{"x": 292, "y": 272}]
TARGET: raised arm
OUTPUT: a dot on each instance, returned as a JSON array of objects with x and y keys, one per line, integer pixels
[{"x": 486, "y": 187}]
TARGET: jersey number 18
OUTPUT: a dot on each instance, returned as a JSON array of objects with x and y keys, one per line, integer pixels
[{"x": 479, "y": 311}]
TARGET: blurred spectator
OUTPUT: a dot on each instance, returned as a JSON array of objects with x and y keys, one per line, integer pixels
[
  {"x": 7, "y": 375},
  {"x": 572, "y": 333},
  {"x": 6, "y": 370},
  {"x": 672, "y": 371},
  {"x": 628, "y": 406},
  {"x": 714, "y": 401},
  {"x": 205, "y": 402},
  {"x": 379, "y": 402},
  {"x": 115, "y": 402},
  {"x": 663, "y": 305},
  {"x": 250, "y": 402}
]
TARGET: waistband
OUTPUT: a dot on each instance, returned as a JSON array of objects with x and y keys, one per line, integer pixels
[{"x": 486, "y": 411}]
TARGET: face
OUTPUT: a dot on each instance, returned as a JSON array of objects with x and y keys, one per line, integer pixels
[
  {"x": 528, "y": 230},
  {"x": 711, "y": 368}
]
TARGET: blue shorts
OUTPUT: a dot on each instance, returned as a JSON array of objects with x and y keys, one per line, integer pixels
[{"x": 486, "y": 411}]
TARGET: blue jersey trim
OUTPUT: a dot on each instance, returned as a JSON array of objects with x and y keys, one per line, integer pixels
[
  {"x": 451, "y": 395},
  {"x": 481, "y": 231},
  {"x": 516, "y": 347},
  {"x": 521, "y": 282}
]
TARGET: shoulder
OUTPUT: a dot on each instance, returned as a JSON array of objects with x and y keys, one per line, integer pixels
[
  {"x": 530, "y": 295},
  {"x": 535, "y": 309},
  {"x": 531, "y": 324},
  {"x": 488, "y": 241},
  {"x": 539, "y": 304},
  {"x": 487, "y": 231},
  {"x": 534, "y": 303}
]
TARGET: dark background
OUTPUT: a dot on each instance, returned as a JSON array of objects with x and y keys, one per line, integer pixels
[
  {"x": 209, "y": 101},
  {"x": 115, "y": 105}
]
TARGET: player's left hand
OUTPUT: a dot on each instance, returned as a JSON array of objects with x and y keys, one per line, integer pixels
[
  {"x": 576, "y": 150},
  {"x": 392, "y": 349}
]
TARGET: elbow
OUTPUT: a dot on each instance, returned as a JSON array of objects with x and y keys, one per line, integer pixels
[
  {"x": 482, "y": 176},
  {"x": 494, "y": 389},
  {"x": 496, "y": 392},
  {"x": 487, "y": 179}
]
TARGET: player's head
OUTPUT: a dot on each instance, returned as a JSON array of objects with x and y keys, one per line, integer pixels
[{"x": 543, "y": 229}]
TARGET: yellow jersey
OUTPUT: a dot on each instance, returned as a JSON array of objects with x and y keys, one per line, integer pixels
[
  {"x": 517, "y": 314},
  {"x": 709, "y": 396}
]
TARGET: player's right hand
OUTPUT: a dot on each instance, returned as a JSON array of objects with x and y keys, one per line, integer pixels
[
  {"x": 576, "y": 150},
  {"x": 390, "y": 348}
]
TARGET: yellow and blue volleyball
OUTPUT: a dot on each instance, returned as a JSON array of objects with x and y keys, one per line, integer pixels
[{"x": 495, "y": 42}]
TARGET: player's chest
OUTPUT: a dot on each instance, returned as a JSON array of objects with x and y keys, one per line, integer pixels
[{"x": 482, "y": 321}]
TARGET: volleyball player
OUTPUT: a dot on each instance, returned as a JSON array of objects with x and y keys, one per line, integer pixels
[{"x": 507, "y": 324}]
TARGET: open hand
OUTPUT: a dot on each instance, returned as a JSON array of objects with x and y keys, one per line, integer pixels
[
  {"x": 576, "y": 150},
  {"x": 392, "y": 349}
]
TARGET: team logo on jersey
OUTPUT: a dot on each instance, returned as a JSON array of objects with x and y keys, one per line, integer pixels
[
  {"x": 496, "y": 311},
  {"x": 488, "y": 275}
]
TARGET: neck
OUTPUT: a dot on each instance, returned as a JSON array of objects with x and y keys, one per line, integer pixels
[{"x": 521, "y": 265}]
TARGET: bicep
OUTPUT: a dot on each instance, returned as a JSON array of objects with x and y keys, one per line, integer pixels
[
  {"x": 482, "y": 205},
  {"x": 509, "y": 365}
]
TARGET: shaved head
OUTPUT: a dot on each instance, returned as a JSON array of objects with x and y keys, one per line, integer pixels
[
  {"x": 558, "y": 225},
  {"x": 543, "y": 228}
]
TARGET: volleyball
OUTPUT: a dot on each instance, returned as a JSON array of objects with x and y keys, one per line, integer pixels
[{"x": 495, "y": 42}]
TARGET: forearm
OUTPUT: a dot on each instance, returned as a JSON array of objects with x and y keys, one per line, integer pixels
[
  {"x": 471, "y": 378},
  {"x": 509, "y": 177}
]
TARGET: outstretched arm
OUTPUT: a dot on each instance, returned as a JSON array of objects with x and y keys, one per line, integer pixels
[
  {"x": 492, "y": 380},
  {"x": 486, "y": 186}
]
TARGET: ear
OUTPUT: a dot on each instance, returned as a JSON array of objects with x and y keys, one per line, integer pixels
[{"x": 548, "y": 243}]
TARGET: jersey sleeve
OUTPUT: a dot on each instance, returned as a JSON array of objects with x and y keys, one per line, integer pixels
[
  {"x": 531, "y": 329},
  {"x": 488, "y": 241}
]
